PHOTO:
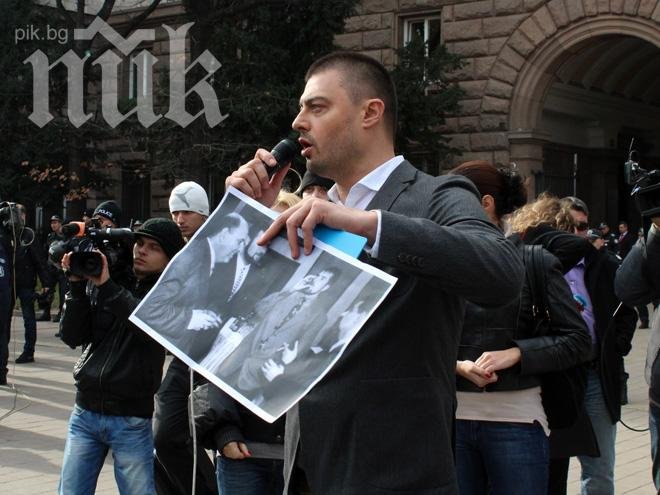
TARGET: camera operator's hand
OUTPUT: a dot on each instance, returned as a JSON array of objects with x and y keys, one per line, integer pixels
[
  {"x": 105, "y": 272},
  {"x": 66, "y": 266}
]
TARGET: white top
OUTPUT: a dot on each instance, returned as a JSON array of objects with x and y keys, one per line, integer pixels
[{"x": 515, "y": 406}]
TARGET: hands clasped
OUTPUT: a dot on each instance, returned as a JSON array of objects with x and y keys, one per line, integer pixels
[
  {"x": 204, "y": 319},
  {"x": 483, "y": 371}
]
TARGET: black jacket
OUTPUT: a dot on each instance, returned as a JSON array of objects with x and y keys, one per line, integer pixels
[
  {"x": 614, "y": 339},
  {"x": 28, "y": 264},
  {"x": 494, "y": 329},
  {"x": 614, "y": 334},
  {"x": 121, "y": 367},
  {"x": 638, "y": 282},
  {"x": 219, "y": 420}
]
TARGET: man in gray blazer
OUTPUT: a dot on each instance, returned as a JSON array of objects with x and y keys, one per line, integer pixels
[{"x": 381, "y": 421}]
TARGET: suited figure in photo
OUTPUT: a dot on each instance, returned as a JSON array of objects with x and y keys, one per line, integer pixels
[
  {"x": 187, "y": 305},
  {"x": 287, "y": 321}
]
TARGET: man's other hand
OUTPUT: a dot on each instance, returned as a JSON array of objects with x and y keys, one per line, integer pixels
[
  {"x": 313, "y": 211},
  {"x": 272, "y": 370},
  {"x": 236, "y": 450}
]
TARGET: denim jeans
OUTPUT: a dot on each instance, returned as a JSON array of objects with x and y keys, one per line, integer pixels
[
  {"x": 26, "y": 296},
  {"x": 90, "y": 436},
  {"x": 598, "y": 472},
  {"x": 501, "y": 458},
  {"x": 654, "y": 424},
  {"x": 250, "y": 476}
]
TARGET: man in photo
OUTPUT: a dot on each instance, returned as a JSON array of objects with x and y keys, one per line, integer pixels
[
  {"x": 187, "y": 307},
  {"x": 279, "y": 335}
]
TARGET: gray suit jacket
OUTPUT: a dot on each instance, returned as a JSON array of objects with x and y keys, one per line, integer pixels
[{"x": 393, "y": 389}]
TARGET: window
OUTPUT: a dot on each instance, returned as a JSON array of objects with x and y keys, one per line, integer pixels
[{"x": 426, "y": 29}]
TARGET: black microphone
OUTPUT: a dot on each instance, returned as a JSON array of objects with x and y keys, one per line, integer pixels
[{"x": 284, "y": 152}]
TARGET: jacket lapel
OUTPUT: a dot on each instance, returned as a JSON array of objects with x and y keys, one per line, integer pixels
[{"x": 395, "y": 184}]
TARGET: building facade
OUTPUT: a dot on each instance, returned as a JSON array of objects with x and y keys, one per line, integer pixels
[{"x": 558, "y": 87}]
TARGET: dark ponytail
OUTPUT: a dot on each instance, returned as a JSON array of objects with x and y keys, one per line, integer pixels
[{"x": 505, "y": 185}]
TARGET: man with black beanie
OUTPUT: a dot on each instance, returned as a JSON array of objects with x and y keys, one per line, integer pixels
[
  {"x": 315, "y": 186},
  {"x": 120, "y": 368},
  {"x": 109, "y": 213}
]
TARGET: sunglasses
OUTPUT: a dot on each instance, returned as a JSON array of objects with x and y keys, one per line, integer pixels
[{"x": 582, "y": 226}]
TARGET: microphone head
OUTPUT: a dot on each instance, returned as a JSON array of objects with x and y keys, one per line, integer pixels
[{"x": 286, "y": 150}]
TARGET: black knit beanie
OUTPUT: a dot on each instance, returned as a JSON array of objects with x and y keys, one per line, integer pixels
[
  {"x": 311, "y": 179},
  {"x": 165, "y": 232},
  {"x": 110, "y": 210}
]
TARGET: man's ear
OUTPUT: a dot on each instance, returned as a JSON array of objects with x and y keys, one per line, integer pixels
[{"x": 372, "y": 112}]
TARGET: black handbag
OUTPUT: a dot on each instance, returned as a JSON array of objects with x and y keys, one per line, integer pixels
[{"x": 562, "y": 392}]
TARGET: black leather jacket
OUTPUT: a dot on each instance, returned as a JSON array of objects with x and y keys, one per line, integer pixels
[
  {"x": 494, "y": 329},
  {"x": 121, "y": 366}
]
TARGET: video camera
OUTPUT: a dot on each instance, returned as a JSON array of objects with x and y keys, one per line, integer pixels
[
  {"x": 646, "y": 185},
  {"x": 82, "y": 240}
]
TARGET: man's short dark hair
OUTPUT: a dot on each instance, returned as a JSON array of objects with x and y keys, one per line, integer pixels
[
  {"x": 363, "y": 77},
  {"x": 331, "y": 269}
]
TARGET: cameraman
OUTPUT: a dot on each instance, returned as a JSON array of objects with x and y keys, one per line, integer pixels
[
  {"x": 638, "y": 283},
  {"x": 119, "y": 371}
]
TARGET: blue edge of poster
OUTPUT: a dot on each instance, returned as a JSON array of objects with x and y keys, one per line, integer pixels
[{"x": 351, "y": 244}]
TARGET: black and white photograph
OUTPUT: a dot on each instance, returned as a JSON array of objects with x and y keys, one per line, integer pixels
[{"x": 262, "y": 326}]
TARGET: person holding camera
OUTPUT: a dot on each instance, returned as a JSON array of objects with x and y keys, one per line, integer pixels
[
  {"x": 638, "y": 283},
  {"x": 119, "y": 370}
]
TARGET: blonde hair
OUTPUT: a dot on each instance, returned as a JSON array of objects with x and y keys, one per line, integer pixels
[
  {"x": 547, "y": 209},
  {"x": 284, "y": 201}
]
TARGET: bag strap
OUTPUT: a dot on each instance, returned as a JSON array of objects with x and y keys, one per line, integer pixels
[{"x": 535, "y": 272}]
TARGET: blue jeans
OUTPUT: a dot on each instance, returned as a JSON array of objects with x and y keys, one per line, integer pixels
[
  {"x": 654, "y": 424},
  {"x": 598, "y": 472},
  {"x": 26, "y": 297},
  {"x": 250, "y": 476},
  {"x": 90, "y": 436},
  {"x": 501, "y": 458}
]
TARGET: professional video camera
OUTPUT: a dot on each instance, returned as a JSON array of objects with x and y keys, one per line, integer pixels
[
  {"x": 646, "y": 185},
  {"x": 115, "y": 244},
  {"x": 12, "y": 224}
]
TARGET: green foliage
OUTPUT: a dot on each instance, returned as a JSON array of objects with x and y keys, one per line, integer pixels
[
  {"x": 425, "y": 97},
  {"x": 34, "y": 167},
  {"x": 265, "y": 49}
]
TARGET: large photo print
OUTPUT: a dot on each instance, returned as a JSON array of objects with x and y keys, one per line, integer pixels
[{"x": 255, "y": 322}]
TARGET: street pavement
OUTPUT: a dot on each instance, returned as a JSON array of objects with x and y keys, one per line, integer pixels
[{"x": 35, "y": 407}]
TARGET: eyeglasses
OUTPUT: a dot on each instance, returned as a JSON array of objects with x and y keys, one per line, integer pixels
[{"x": 582, "y": 226}]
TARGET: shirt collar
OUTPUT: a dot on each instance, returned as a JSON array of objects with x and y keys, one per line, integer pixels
[{"x": 373, "y": 181}]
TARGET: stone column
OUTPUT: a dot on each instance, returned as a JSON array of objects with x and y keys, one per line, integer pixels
[{"x": 526, "y": 151}]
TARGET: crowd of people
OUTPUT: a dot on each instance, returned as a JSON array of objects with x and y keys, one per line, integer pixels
[{"x": 497, "y": 356}]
